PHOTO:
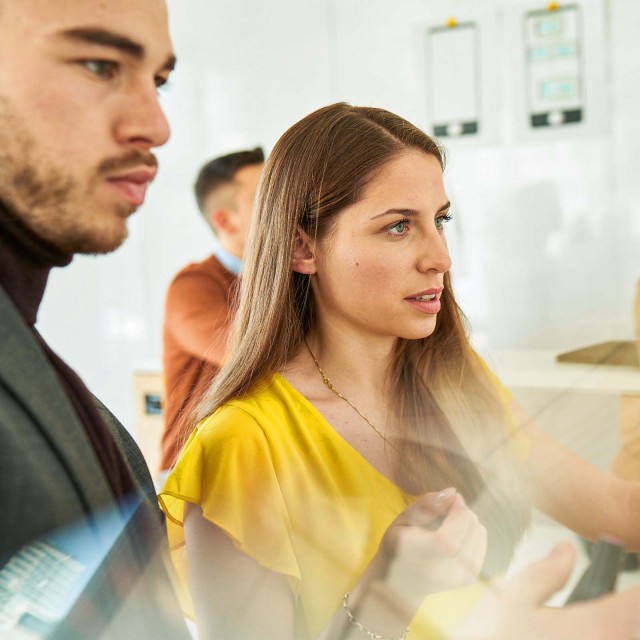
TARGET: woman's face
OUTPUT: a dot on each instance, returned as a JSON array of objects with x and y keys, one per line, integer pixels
[{"x": 380, "y": 271}]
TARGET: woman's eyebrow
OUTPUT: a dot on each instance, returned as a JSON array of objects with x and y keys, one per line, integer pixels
[
  {"x": 399, "y": 212},
  {"x": 408, "y": 212}
]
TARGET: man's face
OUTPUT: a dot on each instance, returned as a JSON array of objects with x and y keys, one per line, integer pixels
[
  {"x": 79, "y": 114},
  {"x": 246, "y": 181}
]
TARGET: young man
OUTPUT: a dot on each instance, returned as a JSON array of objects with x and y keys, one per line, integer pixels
[
  {"x": 200, "y": 298},
  {"x": 82, "y": 540}
]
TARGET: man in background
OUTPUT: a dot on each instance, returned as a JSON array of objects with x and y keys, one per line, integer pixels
[
  {"x": 200, "y": 299},
  {"x": 82, "y": 539}
]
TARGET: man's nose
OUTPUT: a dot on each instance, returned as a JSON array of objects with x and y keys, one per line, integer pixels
[{"x": 142, "y": 121}]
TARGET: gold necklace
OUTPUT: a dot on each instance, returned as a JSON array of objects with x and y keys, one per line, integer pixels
[{"x": 330, "y": 385}]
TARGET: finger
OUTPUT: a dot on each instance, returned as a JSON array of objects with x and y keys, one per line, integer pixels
[
  {"x": 459, "y": 527},
  {"x": 472, "y": 555},
  {"x": 539, "y": 581},
  {"x": 429, "y": 510}
]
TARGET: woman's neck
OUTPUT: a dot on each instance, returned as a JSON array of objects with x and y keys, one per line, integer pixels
[
  {"x": 352, "y": 360},
  {"x": 344, "y": 377}
]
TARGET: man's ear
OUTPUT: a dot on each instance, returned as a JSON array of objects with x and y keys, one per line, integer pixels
[
  {"x": 303, "y": 259},
  {"x": 221, "y": 220}
]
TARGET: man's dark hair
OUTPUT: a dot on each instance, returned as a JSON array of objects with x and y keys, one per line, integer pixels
[{"x": 222, "y": 170}]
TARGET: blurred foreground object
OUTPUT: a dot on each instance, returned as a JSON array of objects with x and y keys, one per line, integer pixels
[{"x": 602, "y": 574}]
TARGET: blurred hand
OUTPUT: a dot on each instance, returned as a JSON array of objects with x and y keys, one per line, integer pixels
[
  {"x": 512, "y": 609},
  {"x": 436, "y": 544}
]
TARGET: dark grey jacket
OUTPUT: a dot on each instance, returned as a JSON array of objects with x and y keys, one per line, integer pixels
[{"x": 51, "y": 483}]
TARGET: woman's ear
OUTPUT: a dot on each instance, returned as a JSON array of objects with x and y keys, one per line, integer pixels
[{"x": 303, "y": 259}]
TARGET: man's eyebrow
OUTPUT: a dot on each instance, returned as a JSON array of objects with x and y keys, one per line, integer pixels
[
  {"x": 408, "y": 212},
  {"x": 105, "y": 38}
]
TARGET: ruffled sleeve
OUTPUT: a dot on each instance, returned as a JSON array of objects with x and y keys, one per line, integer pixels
[{"x": 228, "y": 469}]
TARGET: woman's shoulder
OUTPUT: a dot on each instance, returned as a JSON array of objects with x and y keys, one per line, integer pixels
[{"x": 262, "y": 409}]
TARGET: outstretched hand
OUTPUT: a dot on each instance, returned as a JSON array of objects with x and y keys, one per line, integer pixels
[{"x": 513, "y": 608}]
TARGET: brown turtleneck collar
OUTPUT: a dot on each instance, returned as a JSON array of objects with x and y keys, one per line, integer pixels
[{"x": 25, "y": 263}]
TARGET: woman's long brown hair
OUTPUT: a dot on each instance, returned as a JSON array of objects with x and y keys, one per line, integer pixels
[{"x": 454, "y": 428}]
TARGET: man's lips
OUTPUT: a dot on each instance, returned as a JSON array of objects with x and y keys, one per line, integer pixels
[{"x": 133, "y": 184}]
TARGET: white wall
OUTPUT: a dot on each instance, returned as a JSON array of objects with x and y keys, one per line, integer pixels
[{"x": 546, "y": 232}]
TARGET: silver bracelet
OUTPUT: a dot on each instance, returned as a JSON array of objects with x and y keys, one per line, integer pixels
[{"x": 370, "y": 634}]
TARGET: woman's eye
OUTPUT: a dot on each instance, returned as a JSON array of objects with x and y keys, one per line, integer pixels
[
  {"x": 440, "y": 221},
  {"x": 399, "y": 228},
  {"x": 102, "y": 68}
]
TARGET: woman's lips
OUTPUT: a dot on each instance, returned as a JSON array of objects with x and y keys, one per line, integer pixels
[
  {"x": 427, "y": 301},
  {"x": 426, "y": 306}
]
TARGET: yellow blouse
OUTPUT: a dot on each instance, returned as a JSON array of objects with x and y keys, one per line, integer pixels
[{"x": 296, "y": 497}]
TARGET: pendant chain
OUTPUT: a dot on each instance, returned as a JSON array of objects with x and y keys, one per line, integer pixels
[{"x": 330, "y": 385}]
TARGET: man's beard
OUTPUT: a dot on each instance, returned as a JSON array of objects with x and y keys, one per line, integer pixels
[{"x": 51, "y": 201}]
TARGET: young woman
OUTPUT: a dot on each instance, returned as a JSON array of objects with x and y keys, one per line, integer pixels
[{"x": 357, "y": 467}]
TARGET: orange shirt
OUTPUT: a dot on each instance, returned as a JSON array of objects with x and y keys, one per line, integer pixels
[{"x": 196, "y": 322}]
